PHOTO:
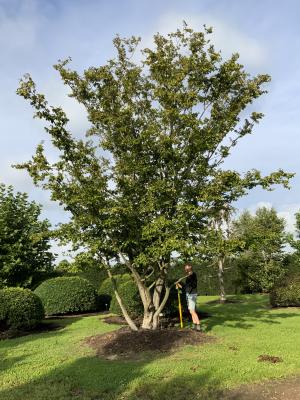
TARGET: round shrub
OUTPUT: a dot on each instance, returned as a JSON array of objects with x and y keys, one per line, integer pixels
[
  {"x": 65, "y": 295},
  {"x": 129, "y": 293},
  {"x": 19, "y": 309},
  {"x": 287, "y": 292},
  {"x": 106, "y": 291}
]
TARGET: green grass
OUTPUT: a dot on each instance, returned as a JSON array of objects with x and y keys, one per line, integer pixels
[{"x": 55, "y": 365}]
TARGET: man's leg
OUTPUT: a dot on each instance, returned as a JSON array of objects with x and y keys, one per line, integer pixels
[
  {"x": 192, "y": 309},
  {"x": 195, "y": 317}
]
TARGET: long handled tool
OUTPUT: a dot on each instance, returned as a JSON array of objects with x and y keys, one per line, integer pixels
[{"x": 180, "y": 308}]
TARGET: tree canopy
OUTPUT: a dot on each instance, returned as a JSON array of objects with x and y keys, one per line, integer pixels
[
  {"x": 264, "y": 238},
  {"x": 24, "y": 240},
  {"x": 143, "y": 184}
]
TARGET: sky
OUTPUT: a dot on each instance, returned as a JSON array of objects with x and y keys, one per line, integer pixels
[{"x": 34, "y": 34}]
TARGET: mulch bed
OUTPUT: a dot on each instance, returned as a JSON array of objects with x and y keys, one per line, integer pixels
[
  {"x": 125, "y": 343},
  {"x": 114, "y": 320},
  {"x": 10, "y": 334}
]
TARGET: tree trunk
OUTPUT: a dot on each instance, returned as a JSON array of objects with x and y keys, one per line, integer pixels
[
  {"x": 221, "y": 261},
  {"x": 129, "y": 321},
  {"x": 147, "y": 320}
]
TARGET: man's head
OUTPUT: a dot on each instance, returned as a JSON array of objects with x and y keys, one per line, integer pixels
[{"x": 188, "y": 268}]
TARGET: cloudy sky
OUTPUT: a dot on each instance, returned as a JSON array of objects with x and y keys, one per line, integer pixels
[{"x": 34, "y": 34}]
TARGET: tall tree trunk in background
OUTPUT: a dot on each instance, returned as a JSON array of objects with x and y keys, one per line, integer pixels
[{"x": 221, "y": 262}]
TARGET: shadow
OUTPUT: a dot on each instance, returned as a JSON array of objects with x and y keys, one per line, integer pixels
[
  {"x": 45, "y": 329},
  {"x": 92, "y": 378},
  {"x": 7, "y": 362},
  {"x": 242, "y": 314}
]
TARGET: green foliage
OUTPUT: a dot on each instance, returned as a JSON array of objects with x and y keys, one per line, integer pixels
[
  {"x": 19, "y": 309},
  {"x": 166, "y": 125},
  {"x": 129, "y": 293},
  {"x": 65, "y": 295},
  {"x": 85, "y": 266},
  {"x": 261, "y": 263},
  {"x": 106, "y": 292},
  {"x": 286, "y": 293},
  {"x": 24, "y": 240}
]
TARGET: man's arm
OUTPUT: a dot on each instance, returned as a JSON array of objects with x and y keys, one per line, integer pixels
[{"x": 177, "y": 284}]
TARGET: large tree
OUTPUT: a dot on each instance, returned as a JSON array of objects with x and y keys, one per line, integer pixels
[
  {"x": 24, "y": 240},
  {"x": 264, "y": 237},
  {"x": 166, "y": 124}
]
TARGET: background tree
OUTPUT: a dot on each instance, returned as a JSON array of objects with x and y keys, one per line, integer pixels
[
  {"x": 24, "y": 240},
  {"x": 220, "y": 245},
  {"x": 166, "y": 123},
  {"x": 292, "y": 259},
  {"x": 85, "y": 266},
  {"x": 261, "y": 263}
]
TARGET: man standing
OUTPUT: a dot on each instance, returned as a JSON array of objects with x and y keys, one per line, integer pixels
[{"x": 190, "y": 287}]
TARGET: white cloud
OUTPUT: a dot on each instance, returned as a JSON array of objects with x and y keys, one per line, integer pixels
[
  {"x": 225, "y": 37},
  {"x": 286, "y": 211},
  {"x": 57, "y": 95}
]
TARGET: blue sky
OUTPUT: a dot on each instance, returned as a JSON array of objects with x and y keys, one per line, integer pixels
[{"x": 34, "y": 34}]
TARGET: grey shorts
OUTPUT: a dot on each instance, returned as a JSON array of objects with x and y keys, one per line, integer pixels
[{"x": 191, "y": 301}]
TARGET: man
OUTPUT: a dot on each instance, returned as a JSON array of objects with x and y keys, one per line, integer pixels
[{"x": 190, "y": 287}]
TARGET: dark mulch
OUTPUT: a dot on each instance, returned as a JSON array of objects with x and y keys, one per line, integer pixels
[
  {"x": 114, "y": 320},
  {"x": 125, "y": 343},
  {"x": 76, "y": 315},
  {"x": 270, "y": 359},
  {"x": 10, "y": 334}
]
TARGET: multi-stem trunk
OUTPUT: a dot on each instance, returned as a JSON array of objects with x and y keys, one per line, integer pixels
[
  {"x": 153, "y": 309},
  {"x": 127, "y": 317},
  {"x": 221, "y": 262}
]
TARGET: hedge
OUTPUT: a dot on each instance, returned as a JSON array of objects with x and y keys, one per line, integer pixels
[
  {"x": 106, "y": 291},
  {"x": 64, "y": 295},
  {"x": 19, "y": 309},
  {"x": 287, "y": 292}
]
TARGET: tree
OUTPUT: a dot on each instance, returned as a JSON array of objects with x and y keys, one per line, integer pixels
[
  {"x": 166, "y": 125},
  {"x": 292, "y": 259},
  {"x": 220, "y": 245},
  {"x": 264, "y": 236},
  {"x": 24, "y": 240},
  {"x": 85, "y": 266}
]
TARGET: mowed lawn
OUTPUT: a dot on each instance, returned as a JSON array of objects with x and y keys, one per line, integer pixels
[{"x": 57, "y": 365}]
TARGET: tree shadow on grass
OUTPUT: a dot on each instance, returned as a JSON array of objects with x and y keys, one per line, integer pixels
[
  {"x": 93, "y": 378},
  {"x": 243, "y": 314}
]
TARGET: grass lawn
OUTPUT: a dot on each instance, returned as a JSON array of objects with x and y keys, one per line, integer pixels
[{"x": 55, "y": 365}]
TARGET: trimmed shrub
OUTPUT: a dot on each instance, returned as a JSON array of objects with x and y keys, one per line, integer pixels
[
  {"x": 106, "y": 291},
  {"x": 287, "y": 292},
  {"x": 19, "y": 309},
  {"x": 130, "y": 295},
  {"x": 64, "y": 295}
]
